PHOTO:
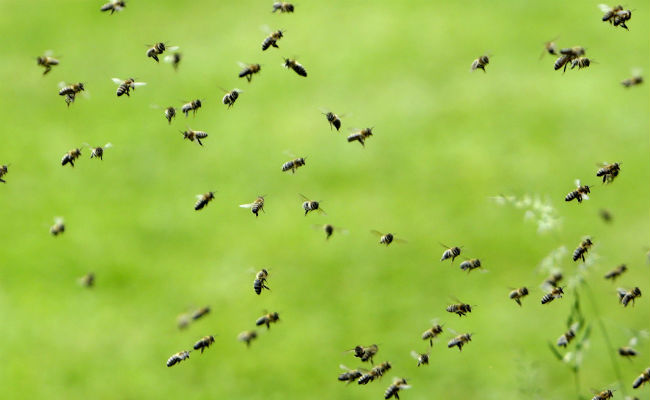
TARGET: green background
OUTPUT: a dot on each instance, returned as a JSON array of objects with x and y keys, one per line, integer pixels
[{"x": 445, "y": 141}]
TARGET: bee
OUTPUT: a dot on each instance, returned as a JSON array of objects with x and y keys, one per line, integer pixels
[
  {"x": 387, "y": 238},
  {"x": 553, "y": 280},
  {"x": 550, "y": 47},
  {"x": 605, "y": 215},
  {"x": 194, "y": 135},
  {"x": 604, "y": 395},
  {"x": 582, "y": 249},
  {"x": 333, "y": 120},
  {"x": 615, "y": 15},
  {"x": 469, "y": 265},
  {"x": 450, "y": 252},
  {"x": 204, "y": 343},
  {"x": 268, "y": 319},
  {"x": 460, "y": 341},
  {"x": 568, "y": 336},
  {"x": 642, "y": 379},
  {"x": 295, "y": 66},
  {"x": 200, "y": 313},
  {"x": 556, "y": 293},
  {"x": 616, "y": 272},
  {"x": 459, "y": 308},
  {"x": 432, "y": 333},
  {"x": 581, "y": 62},
  {"x": 283, "y": 7},
  {"x": 98, "y": 152},
  {"x": 183, "y": 321},
  {"x": 69, "y": 157},
  {"x": 393, "y": 390},
  {"x": 581, "y": 192},
  {"x": 58, "y": 227},
  {"x": 366, "y": 353},
  {"x": 113, "y": 5},
  {"x": 191, "y": 106},
  {"x": 361, "y": 136},
  {"x": 256, "y": 206},
  {"x": 609, "y": 171},
  {"x": 70, "y": 91},
  {"x": 422, "y": 358},
  {"x": 87, "y": 280},
  {"x": 567, "y": 55},
  {"x": 46, "y": 61},
  {"x": 329, "y": 229},
  {"x": 247, "y": 337},
  {"x": 310, "y": 205},
  {"x": 633, "y": 81},
  {"x": 4, "y": 169},
  {"x": 272, "y": 40},
  {"x": 249, "y": 70},
  {"x": 203, "y": 200},
  {"x": 125, "y": 86},
  {"x": 170, "y": 113},
  {"x": 157, "y": 49},
  {"x": 628, "y": 351},
  {"x": 625, "y": 296},
  {"x": 174, "y": 59},
  {"x": 350, "y": 375},
  {"x": 480, "y": 63},
  {"x": 375, "y": 373},
  {"x": 293, "y": 165},
  {"x": 178, "y": 357},
  {"x": 230, "y": 97},
  {"x": 518, "y": 294},
  {"x": 260, "y": 281}
]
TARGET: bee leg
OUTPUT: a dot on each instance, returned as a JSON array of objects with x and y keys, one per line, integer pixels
[
  {"x": 518, "y": 302},
  {"x": 579, "y": 199},
  {"x": 275, "y": 45},
  {"x": 202, "y": 348},
  {"x": 1, "y": 180},
  {"x": 431, "y": 342},
  {"x": 199, "y": 140},
  {"x": 71, "y": 163},
  {"x": 583, "y": 257},
  {"x": 47, "y": 69},
  {"x": 249, "y": 77}
]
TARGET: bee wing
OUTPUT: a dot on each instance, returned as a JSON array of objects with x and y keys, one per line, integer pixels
[
  {"x": 199, "y": 196},
  {"x": 242, "y": 65},
  {"x": 585, "y": 197},
  {"x": 604, "y": 7},
  {"x": 265, "y": 28},
  {"x": 320, "y": 210},
  {"x": 343, "y": 367},
  {"x": 575, "y": 326},
  {"x": 61, "y": 85},
  {"x": 304, "y": 197},
  {"x": 453, "y": 332},
  {"x": 173, "y": 48},
  {"x": 168, "y": 58},
  {"x": 139, "y": 83},
  {"x": 415, "y": 354},
  {"x": 376, "y": 233},
  {"x": 58, "y": 220},
  {"x": 246, "y": 205},
  {"x": 621, "y": 291},
  {"x": 108, "y": 145},
  {"x": 117, "y": 81},
  {"x": 237, "y": 90},
  {"x": 398, "y": 240},
  {"x": 289, "y": 154},
  {"x": 577, "y": 182},
  {"x": 633, "y": 341},
  {"x": 637, "y": 71},
  {"x": 48, "y": 53}
]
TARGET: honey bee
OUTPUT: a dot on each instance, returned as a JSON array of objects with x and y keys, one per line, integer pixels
[
  {"x": 272, "y": 40},
  {"x": 361, "y": 136},
  {"x": 293, "y": 165},
  {"x": 329, "y": 229},
  {"x": 567, "y": 55},
  {"x": 553, "y": 280},
  {"x": 310, "y": 205},
  {"x": 4, "y": 169},
  {"x": 616, "y": 272},
  {"x": 393, "y": 390},
  {"x": 609, "y": 171},
  {"x": 615, "y": 15},
  {"x": 192, "y": 135},
  {"x": 637, "y": 79},
  {"x": 641, "y": 379},
  {"x": 283, "y": 6},
  {"x": 605, "y": 215},
  {"x": 256, "y": 206},
  {"x": 568, "y": 336},
  {"x": 268, "y": 319},
  {"x": 366, "y": 353},
  {"x": 113, "y": 5},
  {"x": 550, "y": 47},
  {"x": 191, "y": 106},
  {"x": 375, "y": 373},
  {"x": 178, "y": 357},
  {"x": 247, "y": 337},
  {"x": 98, "y": 152},
  {"x": 459, "y": 308},
  {"x": 350, "y": 375},
  {"x": 248, "y": 70},
  {"x": 333, "y": 120},
  {"x": 581, "y": 192},
  {"x": 170, "y": 113},
  {"x": 387, "y": 238},
  {"x": 70, "y": 91},
  {"x": 87, "y": 280},
  {"x": 200, "y": 313},
  {"x": 58, "y": 227},
  {"x": 625, "y": 296},
  {"x": 628, "y": 351},
  {"x": 604, "y": 395},
  {"x": 422, "y": 358},
  {"x": 450, "y": 252},
  {"x": 70, "y": 156},
  {"x": 469, "y": 265},
  {"x": 47, "y": 61},
  {"x": 295, "y": 66},
  {"x": 460, "y": 341},
  {"x": 157, "y": 49},
  {"x": 518, "y": 294},
  {"x": 203, "y": 200},
  {"x": 432, "y": 333},
  {"x": 582, "y": 249},
  {"x": 230, "y": 97},
  {"x": 125, "y": 86},
  {"x": 260, "y": 281},
  {"x": 204, "y": 343},
  {"x": 581, "y": 62},
  {"x": 174, "y": 59},
  {"x": 480, "y": 63},
  {"x": 556, "y": 293}
]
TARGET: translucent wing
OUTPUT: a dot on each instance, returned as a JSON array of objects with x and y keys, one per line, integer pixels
[
  {"x": 585, "y": 197},
  {"x": 139, "y": 83},
  {"x": 604, "y": 7},
  {"x": 246, "y": 205},
  {"x": 377, "y": 233},
  {"x": 577, "y": 182},
  {"x": 415, "y": 354},
  {"x": 117, "y": 81},
  {"x": 633, "y": 341},
  {"x": 304, "y": 197},
  {"x": 173, "y": 48},
  {"x": 199, "y": 196},
  {"x": 108, "y": 145}
]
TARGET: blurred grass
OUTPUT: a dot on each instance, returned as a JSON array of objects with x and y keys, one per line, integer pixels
[{"x": 445, "y": 140}]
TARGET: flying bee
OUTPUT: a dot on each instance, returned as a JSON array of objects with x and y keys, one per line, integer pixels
[
  {"x": 4, "y": 169},
  {"x": 582, "y": 249},
  {"x": 422, "y": 358},
  {"x": 293, "y": 165},
  {"x": 87, "y": 280},
  {"x": 615, "y": 15},
  {"x": 625, "y": 296},
  {"x": 518, "y": 294},
  {"x": 568, "y": 336},
  {"x": 272, "y": 40},
  {"x": 310, "y": 205},
  {"x": 178, "y": 357},
  {"x": 628, "y": 351},
  {"x": 616, "y": 272},
  {"x": 69, "y": 157},
  {"x": 553, "y": 280},
  {"x": 191, "y": 106},
  {"x": 230, "y": 97},
  {"x": 295, "y": 66},
  {"x": 581, "y": 62},
  {"x": 556, "y": 293},
  {"x": 204, "y": 343},
  {"x": 113, "y": 5},
  {"x": 268, "y": 319},
  {"x": 450, "y": 252},
  {"x": 283, "y": 7},
  {"x": 256, "y": 206},
  {"x": 581, "y": 192},
  {"x": 361, "y": 136},
  {"x": 248, "y": 70},
  {"x": 621, "y": 17},
  {"x": 125, "y": 86},
  {"x": 98, "y": 152},
  {"x": 642, "y": 379},
  {"x": 469, "y": 265},
  {"x": 393, "y": 390},
  {"x": 260, "y": 281},
  {"x": 387, "y": 238},
  {"x": 567, "y": 55},
  {"x": 170, "y": 113},
  {"x": 174, "y": 59},
  {"x": 460, "y": 341},
  {"x": 637, "y": 79},
  {"x": 562, "y": 61},
  {"x": 349, "y": 375},
  {"x": 432, "y": 333},
  {"x": 157, "y": 49},
  {"x": 333, "y": 120},
  {"x": 550, "y": 47},
  {"x": 365, "y": 353},
  {"x": 200, "y": 313},
  {"x": 606, "y": 215},
  {"x": 47, "y": 61},
  {"x": 609, "y": 171},
  {"x": 247, "y": 337},
  {"x": 459, "y": 308},
  {"x": 480, "y": 63},
  {"x": 70, "y": 91},
  {"x": 604, "y": 395},
  {"x": 375, "y": 373},
  {"x": 329, "y": 229},
  {"x": 58, "y": 227},
  {"x": 192, "y": 135},
  {"x": 203, "y": 200}
]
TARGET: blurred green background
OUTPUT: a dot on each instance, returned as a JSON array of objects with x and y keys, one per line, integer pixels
[{"x": 445, "y": 141}]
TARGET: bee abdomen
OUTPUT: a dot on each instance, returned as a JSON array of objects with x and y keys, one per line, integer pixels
[
  {"x": 547, "y": 298},
  {"x": 300, "y": 70}
]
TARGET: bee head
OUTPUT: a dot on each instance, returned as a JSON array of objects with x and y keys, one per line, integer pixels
[
  {"x": 197, "y": 103},
  {"x": 524, "y": 290}
]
